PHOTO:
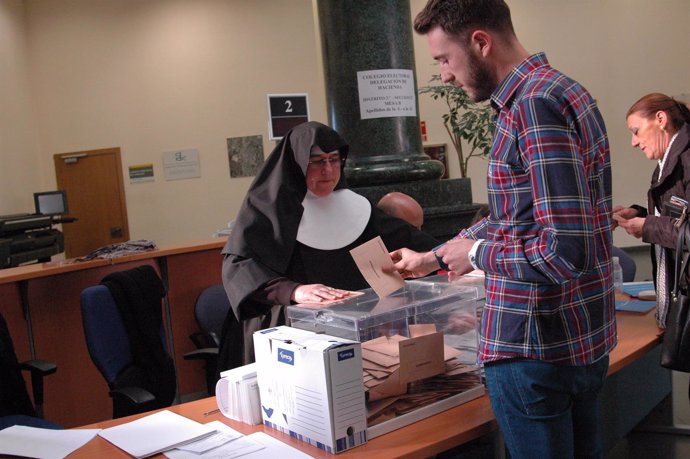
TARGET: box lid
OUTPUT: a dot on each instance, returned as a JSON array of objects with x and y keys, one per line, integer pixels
[{"x": 368, "y": 310}]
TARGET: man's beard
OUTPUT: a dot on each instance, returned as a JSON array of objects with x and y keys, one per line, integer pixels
[{"x": 483, "y": 81}]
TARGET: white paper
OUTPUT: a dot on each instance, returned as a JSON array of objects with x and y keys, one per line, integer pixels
[
  {"x": 241, "y": 446},
  {"x": 208, "y": 443},
  {"x": 155, "y": 433},
  {"x": 386, "y": 93},
  {"x": 274, "y": 448},
  {"x": 181, "y": 164},
  {"x": 43, "y": 443}
]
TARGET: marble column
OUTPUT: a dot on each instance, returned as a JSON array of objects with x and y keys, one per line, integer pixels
[
  {"x": 371, "y": 93},
  {"x": 369, "y": 69}
]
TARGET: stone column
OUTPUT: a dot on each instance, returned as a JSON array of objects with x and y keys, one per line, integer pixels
[{"x": 367, "y": 44}]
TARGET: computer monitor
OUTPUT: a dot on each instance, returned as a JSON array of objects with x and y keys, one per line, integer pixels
[{"x": 51, "y": 202}]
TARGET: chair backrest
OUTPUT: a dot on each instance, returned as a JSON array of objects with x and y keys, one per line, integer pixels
[
  {"x": 106, "y": 337},
  {"x": 211, "y": 309},
  {"x": 124, "y": 331},
  {"x": 14, "y": 398}
]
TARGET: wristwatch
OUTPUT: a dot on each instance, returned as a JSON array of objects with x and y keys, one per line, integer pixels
[{"x": 439, "y": 259}]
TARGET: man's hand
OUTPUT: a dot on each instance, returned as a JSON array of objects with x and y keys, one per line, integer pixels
[
  {"x": 454, "y": 254},
  {"x": 317, "y": 293},
  {"x": 413, "y": 264}
]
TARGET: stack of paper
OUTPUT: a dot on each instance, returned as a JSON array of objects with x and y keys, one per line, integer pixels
[
  {"x": 237, "y": 395},
  {"x": 228, "y": 443},
  {"x": 390, "y": 363},
  {"x": 44, "y": 443},
  {"x": 155, "y": 433}
]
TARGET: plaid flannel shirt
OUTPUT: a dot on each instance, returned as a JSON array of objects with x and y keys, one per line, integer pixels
[{"x": 547, "y": 252}]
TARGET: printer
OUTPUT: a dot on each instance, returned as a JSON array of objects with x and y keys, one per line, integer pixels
[
  {"x": 28, "y": 237},
  {"x": 31, "y": 237}
]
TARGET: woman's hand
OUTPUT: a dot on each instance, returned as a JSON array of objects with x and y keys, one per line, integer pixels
[
  {"x": 621, "y": 213},
  {"x": 632, "y": 226},
  {"x": 317, "y": 293},
  {"x": 413, "y": 264}
]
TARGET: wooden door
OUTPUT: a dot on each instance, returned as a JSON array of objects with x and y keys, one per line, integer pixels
[{"x": 95, "y": 196}]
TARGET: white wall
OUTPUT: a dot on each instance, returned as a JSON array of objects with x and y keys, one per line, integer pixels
[
  {"x": 160, "y": 75},
  {"x": 18, "y": 147},
  {"x": 152, "y": 76},
  {"x": 619, "y": 50}
]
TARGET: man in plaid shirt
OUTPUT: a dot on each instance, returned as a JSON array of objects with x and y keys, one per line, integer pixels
[{"x": 549, "y": 321}]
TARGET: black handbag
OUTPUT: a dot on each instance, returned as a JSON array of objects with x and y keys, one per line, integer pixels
[{"x": 675, "y": 348}]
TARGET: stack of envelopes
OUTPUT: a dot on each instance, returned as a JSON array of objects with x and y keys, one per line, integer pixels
[{"x": 402, "y": 374}]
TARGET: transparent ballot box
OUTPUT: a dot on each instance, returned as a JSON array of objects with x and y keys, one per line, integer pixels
[{"x": 419, "y": 346}]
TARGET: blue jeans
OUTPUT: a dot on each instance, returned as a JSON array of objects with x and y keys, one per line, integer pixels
[{"x": 546, "y": 410}]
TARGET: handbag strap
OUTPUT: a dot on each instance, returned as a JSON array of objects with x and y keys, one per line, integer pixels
[{"x": 681, "y": 258}]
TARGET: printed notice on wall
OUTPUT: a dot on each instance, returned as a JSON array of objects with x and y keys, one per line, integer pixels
[
  {"x": 139, "y": 173},
  {"x": 386, "y": 93},
  {"x": 181, "y": 164}
]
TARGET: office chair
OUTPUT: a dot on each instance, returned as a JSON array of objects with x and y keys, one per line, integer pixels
[
  {"x": 15, "y": 404},
  {"x": 123, "y": 325},
  {"x": 211, "y": 308}
]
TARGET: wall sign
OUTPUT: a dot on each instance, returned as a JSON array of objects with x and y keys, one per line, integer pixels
[
  {"x": 386, "y": 93},
  {"x": 139, "y": 173},
  {"x": 181, "y": 164},
  {"x": 286, "y": 111}
]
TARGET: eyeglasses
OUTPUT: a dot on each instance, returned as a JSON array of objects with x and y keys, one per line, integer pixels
[{"x": 321, "y": 162}]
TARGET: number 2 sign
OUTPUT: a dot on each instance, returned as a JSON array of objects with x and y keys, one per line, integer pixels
[{"x": 286, "y": 111}]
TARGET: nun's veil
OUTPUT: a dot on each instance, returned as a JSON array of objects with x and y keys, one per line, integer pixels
[{"x": 266, "y": 226}]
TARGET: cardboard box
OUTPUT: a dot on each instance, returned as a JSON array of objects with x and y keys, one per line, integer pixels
[
  {"x": 311, "y": 387},
  {"x": 449, "y": 312}
]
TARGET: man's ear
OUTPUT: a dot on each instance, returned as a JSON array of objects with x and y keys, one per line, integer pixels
[{"x": 481, "y": 42}]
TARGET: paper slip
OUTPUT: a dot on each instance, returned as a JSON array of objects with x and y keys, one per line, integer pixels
[
  {"x": 219, "y": 438},
  {"x": 43, "y": 443},
  {"x": 255, "y": 446},
  {"x": 274, "y": 448},
  {"x": 155, "y": 433},
  {"x": 370, "y": 258},
  {"x": 241, "y": 447}
]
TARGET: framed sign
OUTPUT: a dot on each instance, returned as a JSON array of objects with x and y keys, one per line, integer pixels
[{"x": 286, "y": 111}]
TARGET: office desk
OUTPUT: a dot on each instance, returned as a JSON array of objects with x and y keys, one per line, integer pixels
[
  {"x": 41, "y": 305},
  {"x": 637, "y": 335}
]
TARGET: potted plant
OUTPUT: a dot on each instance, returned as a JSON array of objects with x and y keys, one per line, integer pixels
[{"x": 465, "y": 120}]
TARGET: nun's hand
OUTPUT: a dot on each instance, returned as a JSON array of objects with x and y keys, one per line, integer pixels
[{"x": 317, "y": 293}]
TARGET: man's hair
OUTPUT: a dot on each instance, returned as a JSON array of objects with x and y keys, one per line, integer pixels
[{"x": 460, "y": 17}]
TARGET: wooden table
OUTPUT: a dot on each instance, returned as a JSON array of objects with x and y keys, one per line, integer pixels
[
  {"x": 40, "y": 303},
  {"x": 637, "y": 335}
]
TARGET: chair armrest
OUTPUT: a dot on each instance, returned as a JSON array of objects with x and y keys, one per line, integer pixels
[
  {"x": 42, "y": 367},
  {"x": 199, "y": 340},
  {"x": 131, "y": 400},
  {"x": 210, "y": 357},
  {"x": 207, "y": 353},
  {"x": 38, "y": 369},
  {"x": 133, "y": 394}
]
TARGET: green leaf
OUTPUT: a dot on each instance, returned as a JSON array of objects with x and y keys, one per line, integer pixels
[{"x": 473, "y": 122}]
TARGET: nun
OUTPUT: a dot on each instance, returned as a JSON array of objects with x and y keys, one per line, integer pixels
[{"x": 292, "y": 238}]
